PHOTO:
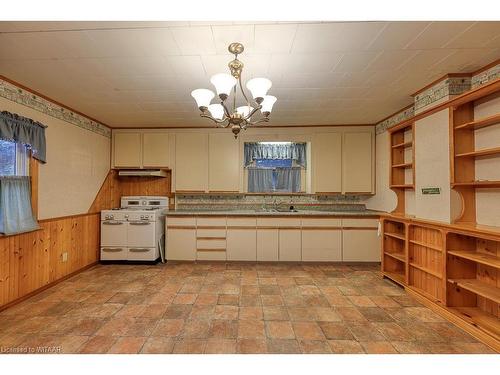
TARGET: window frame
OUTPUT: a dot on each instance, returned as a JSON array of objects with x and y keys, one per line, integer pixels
[{"x": 21, "y": 159}]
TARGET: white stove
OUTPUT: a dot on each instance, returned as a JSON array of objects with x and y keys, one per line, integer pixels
[{"x": 134, "y": 231}]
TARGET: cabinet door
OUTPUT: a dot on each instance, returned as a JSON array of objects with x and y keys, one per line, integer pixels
[
  {"x": 327, "y": 162},
  {"x": 127, "y": 150},
  {"x": 290, "y": 245},
  {"x": 360, "y": 245},
  {"x": 155, "y": 150},
  {"x": 191, "y": 162},
  {"x": 181, "y": 244},
  {"x": 267, "y": 245},
  {"x": 224, "y": 163},
  {"x": 357, "y": 163},
  {"x": 241, "y": 244},
  {"x": 321, "y": 245}
]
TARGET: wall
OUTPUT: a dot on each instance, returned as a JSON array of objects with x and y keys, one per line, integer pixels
[
  {"x": 432, "y": 163},
  {"x": 384, "y": 198},
  {"x": 77, "y": 163}
]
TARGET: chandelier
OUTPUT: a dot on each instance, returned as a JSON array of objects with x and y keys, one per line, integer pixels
[{"x": 236, "y": 117}]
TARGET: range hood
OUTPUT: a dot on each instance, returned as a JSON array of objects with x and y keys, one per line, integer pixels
[{"x": 143, "y": 172}]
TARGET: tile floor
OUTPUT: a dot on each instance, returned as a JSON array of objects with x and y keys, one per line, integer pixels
[{"x": 229, "y": 308}]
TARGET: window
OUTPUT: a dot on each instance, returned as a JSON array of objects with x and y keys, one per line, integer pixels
[
  {"x": 275, "y": 166},
  {"x": 13, "y": 159}
]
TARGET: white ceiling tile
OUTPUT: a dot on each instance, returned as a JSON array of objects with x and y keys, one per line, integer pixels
[
  {"x": 438, "y": 34},
  {"x": 225, "y": 35},
  {"x": 356, "y": 61},
  {"x": 194, "y": 40},
  {"x": 479, "y": 35},
  {"x": 390, "y": 60},
  {"x": 396, "y": 35},
  {"x": 303, "y": 63},
  {"x": 274, "y": 38}
]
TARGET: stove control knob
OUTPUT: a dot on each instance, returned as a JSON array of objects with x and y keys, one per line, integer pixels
[
  {"x": 126, "y": 216},
  {"x": 106, "y": 217}
]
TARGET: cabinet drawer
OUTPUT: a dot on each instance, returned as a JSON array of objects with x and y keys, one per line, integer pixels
[
  {"x": 287, "y": 222},
  {"x": 138, "y": 253},
  {"x": 210, "y": 222},
  {"x": 360, "y": 223},
  {"x": 113, "y": 253},
  {"x": 189, "y": 221},
  {"x": 210, "y": 255},
  {"x": 241, "y": 222},
  {"x": 211, "y": 244},
  {"x": 323, "y": 222},
  {"x": 211, "y": 233}
]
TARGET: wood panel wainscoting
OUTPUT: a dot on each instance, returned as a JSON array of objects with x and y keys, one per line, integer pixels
[{"x": 31, "y": 262}]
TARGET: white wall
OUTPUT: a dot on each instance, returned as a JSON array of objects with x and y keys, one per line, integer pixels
[
  {"x": 78, "y": 161},
  {"x": 432, "y": 161}
]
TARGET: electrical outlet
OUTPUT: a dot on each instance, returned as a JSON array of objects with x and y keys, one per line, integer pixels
[{"x": 64, "y": 256}]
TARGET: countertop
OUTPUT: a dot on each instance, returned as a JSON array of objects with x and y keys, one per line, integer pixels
[{"x": 300, "y": 213}]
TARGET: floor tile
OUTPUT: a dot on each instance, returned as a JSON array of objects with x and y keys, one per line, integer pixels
[
  {"x": 185, "y": 299},
  {"x": 345, "y": 347},
  {"x": 279, "y": 330},
  {"x": 98, "y": 344},
  {"x": 315, "y": 347},
  {"x": 190, "y": 346},
  {"x": 196, "y": 329},
  {"x": 251, "y": 346},
  {"x": 250, "y": 313},
  {"x": 336, "y": 331},
  {"x": 251, "y": 329},
  {"x": 278, "y": 346},
  {"x": 378, "y": 347},
  {"x": 127, "y": 345},
  {"x": 226, "y": 312},
  {"x": 223, "y": 329},
  {"x": 221, "y": 346},
  {"x": 169, "y": 327},
  {"x": 308, "y": 331},
  {"x": 158, "y": 345},
  {"x": 275, "y": 313}
]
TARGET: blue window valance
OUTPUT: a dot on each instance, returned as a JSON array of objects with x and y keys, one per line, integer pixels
[
  {"x": 256, "y": 150},
  {"x": 23, "y": 130}
]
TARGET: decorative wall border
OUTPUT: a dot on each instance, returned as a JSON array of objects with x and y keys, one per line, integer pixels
[
  {"x": 446, "y": 87},
  {"x": 18, "y": 95},
  {"x": 395, "y": 119},
  {"x": 487, "y": 76}
]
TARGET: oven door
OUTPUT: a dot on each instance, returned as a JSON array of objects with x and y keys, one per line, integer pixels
[
  {"x": 141, "y": 234},
  {"x": 113, "y": 233}
]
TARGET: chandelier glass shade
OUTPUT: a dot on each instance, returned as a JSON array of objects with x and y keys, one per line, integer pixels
[{"x": 227, "y": 85}]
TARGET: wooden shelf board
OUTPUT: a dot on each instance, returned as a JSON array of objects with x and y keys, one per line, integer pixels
[
  {"x": 480, "y": 123},
  {"x": 426, "y": 270},
  {"x": 403, "y": 165},
  {"x": 423, "y": 244},
  {"x": 403, "y": 145},
  {"x": 403, "y": 186},
  {"x": 477, "y": 153},
  {"x": 478, "y": 287},
  {"x": 479, "y": 318},
  {"x": 488, "y": 260},
  {"x": 395, "y": 235},
  {"x": 397, "y": 277},
  {"x": 398, "y": 256},
  {"x": 478, "y": 184}
]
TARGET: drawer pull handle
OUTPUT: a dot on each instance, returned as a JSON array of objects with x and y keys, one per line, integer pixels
[
  {"x": 112, "y": 223},
  {"x": 139, "y": 250},
  {"x": 112, "y": 249},
  {"x": 139, "y": 223}
]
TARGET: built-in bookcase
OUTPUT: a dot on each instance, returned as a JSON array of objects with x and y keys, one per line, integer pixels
[
  {"x": 465, "y": 155},
  {"x": 473, "y": 275},
  {"x": 402, "y": 172},
  {"x": 394, "y": 259}
]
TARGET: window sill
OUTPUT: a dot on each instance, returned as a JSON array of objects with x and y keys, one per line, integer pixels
[{"x": 20, "y": 233}]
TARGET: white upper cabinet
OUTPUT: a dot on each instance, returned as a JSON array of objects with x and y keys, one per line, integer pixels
[
  {"x": 224, "y": 163},
  {"x": 127, "y": 150},
  {"x": 155, "y": 150},
  {"x": 191, "y": 162},
  {"x": 327, "y": 162},
  {"x": 357, "y": 162}
]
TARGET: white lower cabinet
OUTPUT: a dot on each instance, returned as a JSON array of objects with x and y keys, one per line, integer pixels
[
  {"x": 361, "y": 245},
  {"x": 241, "y": 239},
  {"x": 181, "y": 244},
  {"x": 360, "y": 241},
  {"x": 290, "y": 249},
  {"x": 267, "y": 245},
  {"x": 321, "y": 245}
]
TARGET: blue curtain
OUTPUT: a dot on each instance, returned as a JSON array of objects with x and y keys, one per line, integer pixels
[
  {"x": 295, "y": 151},
  {"x": 260, "y": 180},
  {"x": 288, "y": 180},
  {"x": 16, "y": 215},
  {"x": 23, "y": 130}
]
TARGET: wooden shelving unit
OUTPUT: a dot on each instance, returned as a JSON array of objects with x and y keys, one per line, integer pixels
[
  {"x": 426, "y": 261},
  {"x": 394, "y": 259},
  {"x": 465, "y": 153},
  {"x": 473, "y": 272},
  {"x": 402, "y": 173}
]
